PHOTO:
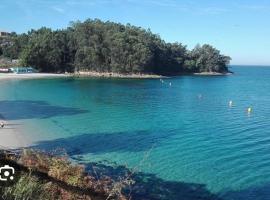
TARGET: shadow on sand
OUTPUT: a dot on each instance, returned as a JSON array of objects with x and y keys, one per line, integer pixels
[{"x": 22, "y": 109}]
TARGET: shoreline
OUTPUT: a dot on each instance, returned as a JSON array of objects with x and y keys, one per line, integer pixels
[
  {"x": 92, "y": 74},
  {"x": 116, "y": 75},
  {"x": 8, "y": 76},
  {"x": 212, "y": 74},
  {"x": 144, "y": 76},
  {"x": 12, "y": 137}
]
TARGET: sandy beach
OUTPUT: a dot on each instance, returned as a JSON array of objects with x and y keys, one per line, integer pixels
[
  {"x": 10, "y": 136},
  {"x": 77, "y": 74},
  {"x": 31, "y": 76}
]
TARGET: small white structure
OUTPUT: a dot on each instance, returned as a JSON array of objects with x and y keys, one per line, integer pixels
[{"x": 22, "y": 70}]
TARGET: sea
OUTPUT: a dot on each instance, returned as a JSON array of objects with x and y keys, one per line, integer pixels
[{"x": 181, "y": 135}]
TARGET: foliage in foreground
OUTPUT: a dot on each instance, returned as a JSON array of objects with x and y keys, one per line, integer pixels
[
  {"x": 49, "y": 177},
  {"x": 94, "y": 45}
]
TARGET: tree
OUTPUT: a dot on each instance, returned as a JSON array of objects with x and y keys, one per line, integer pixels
[
  {"x": 94, "y": 45},
  {"x": 208, "y": 59}
]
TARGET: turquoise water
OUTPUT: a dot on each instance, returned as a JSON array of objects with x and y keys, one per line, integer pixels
[{"x": 185, "y": 132}]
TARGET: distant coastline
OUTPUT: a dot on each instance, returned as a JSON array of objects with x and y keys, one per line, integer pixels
[
  {"x": 7, "y": 76},
  {"x": 142, "y": 75},
  {"x": 93, "y": 74},
  {"x": 116, "y": 75}
]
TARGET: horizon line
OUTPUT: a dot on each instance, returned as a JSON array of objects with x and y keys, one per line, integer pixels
[{"x": 250, "y": 65}]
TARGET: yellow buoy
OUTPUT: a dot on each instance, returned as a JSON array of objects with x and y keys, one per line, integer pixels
[{"x": 249, "y": 110}]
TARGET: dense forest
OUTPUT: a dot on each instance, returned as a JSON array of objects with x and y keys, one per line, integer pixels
[{"x": 94, "y": 45}]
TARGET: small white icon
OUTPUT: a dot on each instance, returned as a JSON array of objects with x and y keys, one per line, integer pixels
[{"x": 6, "y": 173}]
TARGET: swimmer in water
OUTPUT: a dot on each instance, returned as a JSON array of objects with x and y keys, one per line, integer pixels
[
  {"x": 230, "y": 103},
  {"x": 2, "y": 124}
]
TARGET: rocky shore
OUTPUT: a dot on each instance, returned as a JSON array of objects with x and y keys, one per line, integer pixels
[
  {"x": 213, "y": 73},
  {"x": 114, "y": 75}
]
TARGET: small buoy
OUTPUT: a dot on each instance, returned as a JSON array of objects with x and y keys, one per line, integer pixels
[
  {"x": 249, "y": 110},
  {"x": 230, "y": 103}
]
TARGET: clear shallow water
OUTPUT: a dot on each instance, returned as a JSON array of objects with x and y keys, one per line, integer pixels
[{"x": 190, "y": 139}]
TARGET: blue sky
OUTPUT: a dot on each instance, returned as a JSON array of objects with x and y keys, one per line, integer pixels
[{"x": 239, "y": 28}]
